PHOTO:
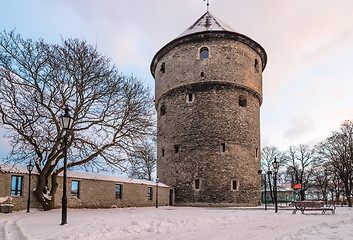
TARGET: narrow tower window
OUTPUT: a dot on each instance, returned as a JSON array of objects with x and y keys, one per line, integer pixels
[
  {"x": 203, "y": 52},
  {"x": 242, "y": 101},
  {"x": 176, "y": 148},
  {"x": 256, "y": 150},
  {"x": 223, "y": 147},
  {"x": 202, "y": 74},
  {"x": 256, "y": 65},
  {"x": 189, "y": 97},
  {"x": 162, "y": 152},
  {"x": 234, "y": 185},
  {"x": 197, "y": 184},
  {"x": 163, "y": 68},
  {"x": 162, "y": 110}
]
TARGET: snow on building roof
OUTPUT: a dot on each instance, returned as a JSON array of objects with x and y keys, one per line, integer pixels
[
  {"x": 207, "y": 22},
  {"x": 12, "y": 168}
]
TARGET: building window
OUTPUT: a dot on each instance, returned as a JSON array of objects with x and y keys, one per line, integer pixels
[
  {"x": 256, "y": 65},
  {"x": 176, "y": 148},
  {"x": 256, "y": 152},
  {"x": 150, "y": 193},
  {"x": 163, "y": 68},
  {"x": 118, "y": 191},
  {"x": 197, "y": 184},
  {"x": 234, "y": 185},
  {"x": 162, "y": 152},
  {"x": 75, "y": 189},
  {"x": 223, "y": 147},
  {"x": 202, "y": 75},
  {"x": 189, "y": 97},
  {"x": 204, "y": 52},
  {"x": 242, "y": 101},
  {"x": 162, "y": 110},
  {"x": 16, "y": 185}
]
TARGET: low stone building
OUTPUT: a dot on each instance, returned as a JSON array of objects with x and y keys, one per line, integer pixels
[{"x": 84, "y": 190}]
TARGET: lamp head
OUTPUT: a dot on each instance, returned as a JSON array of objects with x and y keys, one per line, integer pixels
[{"x": 66, "y": 120}]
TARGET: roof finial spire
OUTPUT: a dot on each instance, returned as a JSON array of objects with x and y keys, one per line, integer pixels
[{"x": 208, "y": 4}]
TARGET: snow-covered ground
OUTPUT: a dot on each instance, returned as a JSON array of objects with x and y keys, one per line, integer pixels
[{"x": 167, "y": 223}]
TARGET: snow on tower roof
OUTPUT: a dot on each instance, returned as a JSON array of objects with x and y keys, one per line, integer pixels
[{"x": 207, "y": 22}]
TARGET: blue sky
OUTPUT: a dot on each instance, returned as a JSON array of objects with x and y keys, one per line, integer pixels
[{"x": 308, "y": 81}]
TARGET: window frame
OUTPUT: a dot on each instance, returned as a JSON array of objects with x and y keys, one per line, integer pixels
[
  {"x": 197, "y": 184},
  {"x": 162, "y": 69},
  {"x": 177, "y": 149},
  {"x": 236, "y": 185},
  {"x": 120, "y": 196},
  {"x": 243, "y": 101},
  {"x": 18, "y": 186},
  {"x": 188, "y": 95},
  {"x": 73, "y": 194},
  {"x": 203, "y": 49},
  {"x": 223, "y": 147},
  {"x": 162, "y": 110},
  {"x": 150, "y": 193}
]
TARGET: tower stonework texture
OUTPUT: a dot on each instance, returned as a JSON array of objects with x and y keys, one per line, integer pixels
[{"x": 208, "y": 95}]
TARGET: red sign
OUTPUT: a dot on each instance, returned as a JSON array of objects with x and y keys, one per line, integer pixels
[{"x": 297, "y": 186}]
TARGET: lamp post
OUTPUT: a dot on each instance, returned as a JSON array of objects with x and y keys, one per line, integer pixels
[
  {"x": 157, "y": 180},
  {"x": 269, "y": 173},
  {"x": 30, "y": 169},
  {"x": 66, "y": 122},
  {"x": 275, "y": 168},
  {"x": 260, "y": 173}
]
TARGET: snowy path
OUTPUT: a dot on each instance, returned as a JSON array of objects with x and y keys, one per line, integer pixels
[{"x": 169, "y": 223}]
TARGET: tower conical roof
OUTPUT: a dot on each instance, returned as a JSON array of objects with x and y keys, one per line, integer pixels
[{"x": 207, "y": 22}]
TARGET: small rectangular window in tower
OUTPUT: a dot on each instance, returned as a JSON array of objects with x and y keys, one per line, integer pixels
[
  {"x": 197, "y": 184},
  {"x": 223, "y": 147},
  {"x": 234, "y": 185},
  {"x": 242, "y": 101},
  {"x": 162, "y": 152},
  {"x": 189, "y": 97},
  {"x": 256, "y": 150},
  {"x": 176, "y": 148},
  {"x": 163, "y": 68}
]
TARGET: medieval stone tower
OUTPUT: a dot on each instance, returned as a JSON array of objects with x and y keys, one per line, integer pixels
[{"x": 208, "y": 97}]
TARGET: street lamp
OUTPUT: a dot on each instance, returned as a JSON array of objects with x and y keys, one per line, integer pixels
[
  {"x": 30, "y": 169},
  {"x": 275, "y": 168},
  {"x": 157, "y": 180},
  {"x": 260, "y": 173},
  {"x": 269, "y": 173},
  {"x": 66, "y": 122}
]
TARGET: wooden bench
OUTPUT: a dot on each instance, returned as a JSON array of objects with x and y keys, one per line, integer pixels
[
  {"x": 6, "y": 208},
  {"x": 313, "y": 206}
]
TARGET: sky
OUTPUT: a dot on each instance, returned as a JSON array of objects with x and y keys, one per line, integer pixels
[{"x": 308, "y": 81}]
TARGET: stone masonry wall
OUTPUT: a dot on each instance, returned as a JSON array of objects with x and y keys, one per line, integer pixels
[
  {"x": 93, "y": 193},
  {"x": 213, "y": 117}
]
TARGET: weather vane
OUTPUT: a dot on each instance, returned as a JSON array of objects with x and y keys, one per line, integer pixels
[{"x": 208, "y": 4}]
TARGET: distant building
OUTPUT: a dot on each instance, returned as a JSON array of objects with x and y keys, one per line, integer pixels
[
  {"x": 85, "y": 190},
  {"x": 208, "y": 84},
  {"x": 285, "y": 193}
]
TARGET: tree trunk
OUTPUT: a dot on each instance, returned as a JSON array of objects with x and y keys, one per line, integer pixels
[
  {"x": 348, "y": 194},
  {"x": 42, "y": 193},
  {"x": 302, "y": 195}
]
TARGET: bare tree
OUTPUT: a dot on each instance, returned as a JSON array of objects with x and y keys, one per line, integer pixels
[
  {"x": 299, "y": 161},
  {"x": 142, "y": 161},
  {"x": 268, "y": 155},
  {"x": 322, "y": 177},
  {"x": 338, "y": 151},
  {"x": 37, "y": 79}
]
